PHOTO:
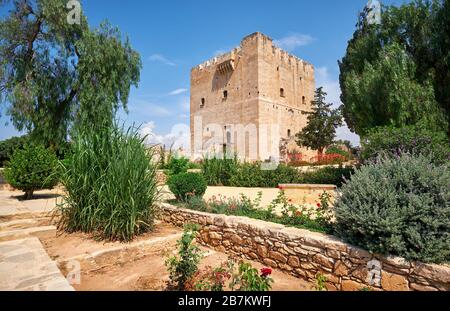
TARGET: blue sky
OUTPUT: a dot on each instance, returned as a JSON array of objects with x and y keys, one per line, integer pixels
[{"x": 174, "y": 36}]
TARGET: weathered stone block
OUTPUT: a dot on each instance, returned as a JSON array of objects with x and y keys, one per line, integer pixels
[
  {"x": 393, "y": 282},
  {"x": 349, "y": 285},
  {"x": 324, "y": 261},
  {"x": 293, "y": 261},
  {"x": 278, "y": 256},
  {"x": 261, "y": 250},
  {"x": 436, "y": 273},
  {"x": 340, "y": 269},
  {"x": 270, "y": 263}
]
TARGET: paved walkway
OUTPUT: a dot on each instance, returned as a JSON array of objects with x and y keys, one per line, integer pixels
[
  {"x": 25, "y": 265},
  {"x": 12, "y": 205}
]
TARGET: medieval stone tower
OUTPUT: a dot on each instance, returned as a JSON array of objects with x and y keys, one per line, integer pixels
[{"x": 249, "y": 101}]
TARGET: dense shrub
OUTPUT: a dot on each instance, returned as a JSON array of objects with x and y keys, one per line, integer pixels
[
  {"x": 252, "y": 175},
  {"x": 32, "y": 168},
  {"x": 111, "y": 188},
  {"x": 8, "y": 146},
  {"x": 187, "y": 185},
  {"x": 411, "y": 139},
  {"x": 398, "y": 206},
  {"x": 233, "y": 173},
  {"x": 177, "y": 165},
  {"x": 326, "y": 176},
  {"x": 218, "y": 172}
]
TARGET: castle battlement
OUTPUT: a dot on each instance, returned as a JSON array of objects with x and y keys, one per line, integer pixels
[{"x": 267, "y": 45}]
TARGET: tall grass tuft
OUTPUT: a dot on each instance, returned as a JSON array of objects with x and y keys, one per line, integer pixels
[{"x": 111, "y": 188}]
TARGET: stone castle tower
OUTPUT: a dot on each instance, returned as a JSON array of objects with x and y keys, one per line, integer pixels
[{"x": 250, "y": 101}]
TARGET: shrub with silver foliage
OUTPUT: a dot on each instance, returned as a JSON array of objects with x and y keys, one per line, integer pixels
[{"x": 398, "y": 206}]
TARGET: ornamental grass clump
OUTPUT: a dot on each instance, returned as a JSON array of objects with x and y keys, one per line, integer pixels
[
  {"x": 399, "y": 206},
  {"x": 111, "y": 188}
]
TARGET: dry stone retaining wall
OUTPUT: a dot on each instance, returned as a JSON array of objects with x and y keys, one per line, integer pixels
[{"x": 304, "y": 254}]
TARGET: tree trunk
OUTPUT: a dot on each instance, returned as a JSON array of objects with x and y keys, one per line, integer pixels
[
  {"x": 320, "y": 153},
  {"x": 29, "y": 194}
]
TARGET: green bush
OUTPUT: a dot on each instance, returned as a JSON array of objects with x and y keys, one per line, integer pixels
[
  {"x": 218, "y": 172},
  {"x": 177, "y": 165},
  {"x": 230, "y": 172},
  {"x": 8, "y": 146},
  {"x": 326, "y": 176},
  {"x": 186, "y": 185},
  {"x": 32, "y": 168},
  {"x": 110, "y": 182},
  {"x": 414, "y": 139},
  {"x": 251, "y": 175},
  {"x": 398, "y": 206}
]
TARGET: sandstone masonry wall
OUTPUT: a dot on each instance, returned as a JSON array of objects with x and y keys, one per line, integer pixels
[
  {"x": 253, "y": 87},
  {"x": 303, "y": 253}
]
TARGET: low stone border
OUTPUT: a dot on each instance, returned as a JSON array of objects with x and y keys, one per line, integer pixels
[{"x": 304, "y": 254}]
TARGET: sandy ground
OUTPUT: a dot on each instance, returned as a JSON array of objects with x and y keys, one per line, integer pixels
[{"x": 150, "y": 274}]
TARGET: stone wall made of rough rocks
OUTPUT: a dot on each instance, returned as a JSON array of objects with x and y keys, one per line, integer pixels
[{"x": 304, "y": 254}]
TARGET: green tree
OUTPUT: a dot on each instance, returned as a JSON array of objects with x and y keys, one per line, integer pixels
[
  {"x": 8, "y": 146},
  {"x": 397, "y": 73},
  {"x": 322, "y": 123},
  {"x": 54, "y": 75},
  {"x": 32, "y": 168}
]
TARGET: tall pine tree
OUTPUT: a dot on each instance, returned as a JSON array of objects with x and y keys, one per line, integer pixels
[{"x": 322, "y": 123}]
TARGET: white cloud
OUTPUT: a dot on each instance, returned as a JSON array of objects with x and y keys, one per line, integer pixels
[
  {"x": 147, "y": 108},
  {"x": 178, "y": 91},
  {"x": 292, "y": 41},
  {"x": 331, "y": 87},
  {"x": 179, "y": 136},
  {"x": 161, "y": 59}
]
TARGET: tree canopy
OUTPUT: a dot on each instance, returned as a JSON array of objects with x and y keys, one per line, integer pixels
[
  {"x": 397, "y": 73},
  {"x": 55, "y": 75},
  {"x": 322, "y": 123}
]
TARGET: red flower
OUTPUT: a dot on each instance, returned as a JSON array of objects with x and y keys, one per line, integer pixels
[
  {"x": 319, "y": 205},
  {"x": 280, "y": 187},
  {"x": 266, "y": 272},
  {"x": 290, "y": 200}
]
